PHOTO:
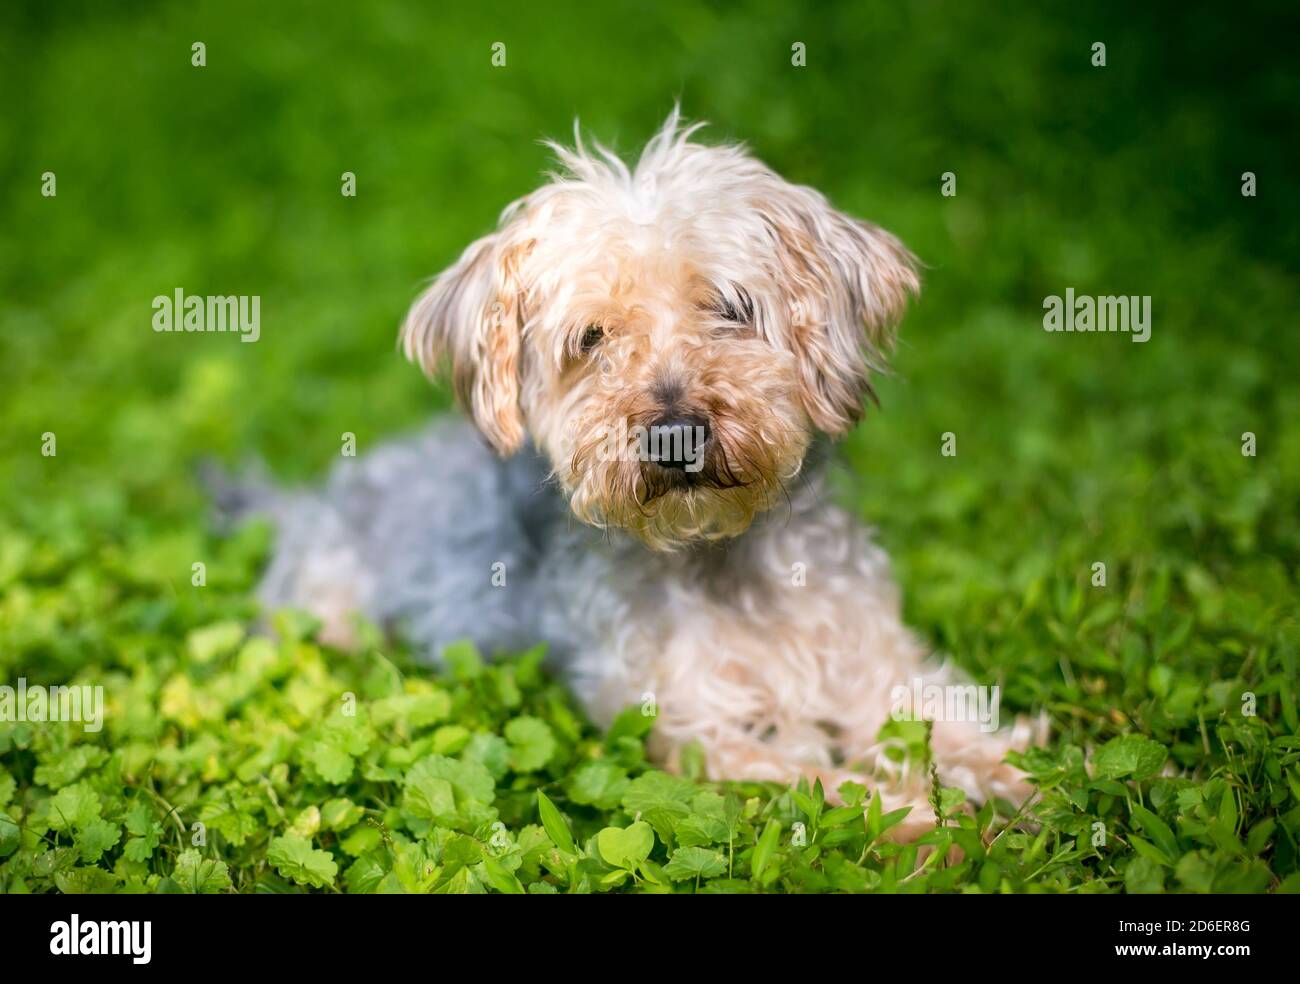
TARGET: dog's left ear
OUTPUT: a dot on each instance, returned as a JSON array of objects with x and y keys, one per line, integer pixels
[
  {"x": 471, "y": 316},
  {"x": 846, "y": 283}
]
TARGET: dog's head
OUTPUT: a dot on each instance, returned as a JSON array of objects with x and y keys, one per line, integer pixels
[{"x": 671, "y": 335}]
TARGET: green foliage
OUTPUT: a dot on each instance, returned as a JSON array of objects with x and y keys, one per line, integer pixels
[
  {"x": 1174, "y": 760},
  {"x": 228, "y": 793}
]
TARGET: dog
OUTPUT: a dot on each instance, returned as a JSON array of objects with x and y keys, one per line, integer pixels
[{"x": 654, "y": 360}]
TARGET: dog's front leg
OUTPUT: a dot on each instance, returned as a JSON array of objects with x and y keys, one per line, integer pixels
[{"x": 756, "y": 704}]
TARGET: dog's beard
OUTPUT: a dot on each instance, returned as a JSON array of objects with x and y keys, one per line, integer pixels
[{"x": 741, "y": 473}]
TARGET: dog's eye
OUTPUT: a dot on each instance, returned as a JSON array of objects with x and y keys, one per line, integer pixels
[
  {"x": 591, "y": 337},
  {"x": 729, "y": 312},
  {"x": 739, "y": 312}
]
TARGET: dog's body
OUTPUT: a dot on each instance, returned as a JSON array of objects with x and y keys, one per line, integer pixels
[
  {"x": 699, "y": 295},
  {"x": 778, "y": 650}
]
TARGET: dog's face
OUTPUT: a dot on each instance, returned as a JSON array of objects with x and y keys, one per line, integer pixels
[{"x": 671, "y": 336}]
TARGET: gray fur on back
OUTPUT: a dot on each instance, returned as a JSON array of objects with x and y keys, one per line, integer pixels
[{"x": 411, "y": 532}]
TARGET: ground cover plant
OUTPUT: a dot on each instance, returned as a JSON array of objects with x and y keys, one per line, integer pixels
[{"x": 238, "y": 753}]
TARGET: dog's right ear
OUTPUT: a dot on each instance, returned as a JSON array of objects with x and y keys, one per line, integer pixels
[{"x": 472, "y": 315}]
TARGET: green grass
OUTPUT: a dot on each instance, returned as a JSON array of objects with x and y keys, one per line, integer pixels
[{"x": 1071, "y": 450}]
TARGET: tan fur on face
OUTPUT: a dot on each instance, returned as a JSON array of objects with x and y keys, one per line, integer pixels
[
  {"x": 739, "y": 384},
  {"x": 654, "y": 255}
]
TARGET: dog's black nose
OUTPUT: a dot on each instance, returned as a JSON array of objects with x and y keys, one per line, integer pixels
[{"x": 678, "y": 442}]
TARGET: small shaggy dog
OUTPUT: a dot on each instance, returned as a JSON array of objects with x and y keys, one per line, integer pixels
[{"x": 658, "y": 357}]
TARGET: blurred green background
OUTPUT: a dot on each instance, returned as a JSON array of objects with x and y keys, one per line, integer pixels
[{"x": 1072, "y": 449}]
